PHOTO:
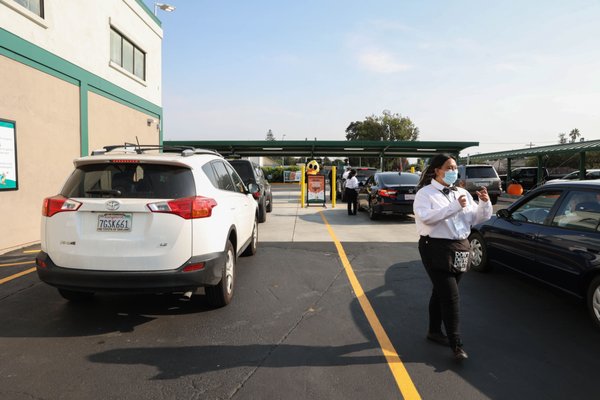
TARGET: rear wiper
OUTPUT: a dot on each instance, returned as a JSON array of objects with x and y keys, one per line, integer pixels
[{"x": 111, "y": 192}]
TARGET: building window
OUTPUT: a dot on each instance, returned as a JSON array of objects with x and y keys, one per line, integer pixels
[
  {"x": 127, "y": 55},
  {"x": 35, "y": 6}
]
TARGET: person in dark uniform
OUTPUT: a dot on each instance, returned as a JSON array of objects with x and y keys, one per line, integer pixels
[{"x": 444, "y": 215}]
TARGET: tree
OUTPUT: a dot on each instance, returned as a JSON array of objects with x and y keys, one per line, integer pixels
[
  {"x": 574, "y": 134},
  {"x": 270, "y": 136},
  {"x": 562, "y": 138},
  {"x": 387, "y": 127}
]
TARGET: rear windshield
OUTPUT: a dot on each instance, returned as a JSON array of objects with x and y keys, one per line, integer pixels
[
  {"x": 481, "y": 172},
  {"x": 149, "y": 181},
  {"x": 244, "y": 170},
  {"x": 365, "y": 173},
  {"x": 399, "y": 179}
]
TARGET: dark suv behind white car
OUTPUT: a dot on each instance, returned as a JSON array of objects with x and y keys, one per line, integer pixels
[
  {"x": 251, "y": 172},
  {"x": 131, "y": 219}
]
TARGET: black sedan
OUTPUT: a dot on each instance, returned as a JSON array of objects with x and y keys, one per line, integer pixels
[
  {"x": 388, "y": 193},
  {"x": 552, "y": 235}
]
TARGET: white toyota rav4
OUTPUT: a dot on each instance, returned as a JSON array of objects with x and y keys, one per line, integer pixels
[{"x": 132, "y": 219}]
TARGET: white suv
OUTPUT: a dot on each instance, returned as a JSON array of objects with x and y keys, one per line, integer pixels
[{"x": 132, "y": 219}]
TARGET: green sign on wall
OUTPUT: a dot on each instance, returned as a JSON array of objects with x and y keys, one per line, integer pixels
[{"x": 8, "y": 155}]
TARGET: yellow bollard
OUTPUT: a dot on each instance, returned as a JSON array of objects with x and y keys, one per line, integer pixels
[
  {"x": 302, "y": 186},
  {"x": 333, "y": 186}
]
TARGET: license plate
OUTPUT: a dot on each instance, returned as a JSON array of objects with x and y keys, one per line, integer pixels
[
  {"x": 482, "y": 183},
  {"x": 114, "y": 222},
  {"x": 409, "y": 197}
]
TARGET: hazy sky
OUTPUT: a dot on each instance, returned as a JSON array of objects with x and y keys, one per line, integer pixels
[{"x": 505, "y": 73}]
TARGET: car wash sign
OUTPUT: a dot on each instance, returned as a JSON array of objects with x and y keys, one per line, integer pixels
[
  {"x": 8, "y": 156},
  {"x": 316, "y": 189}
]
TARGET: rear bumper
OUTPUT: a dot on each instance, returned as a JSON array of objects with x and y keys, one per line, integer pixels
[
  {"x": 394, "y": 208},
  {"x": 132, "y": 282}
]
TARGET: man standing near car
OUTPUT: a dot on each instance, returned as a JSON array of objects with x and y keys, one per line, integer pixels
[{"x": 444, "y": 215}]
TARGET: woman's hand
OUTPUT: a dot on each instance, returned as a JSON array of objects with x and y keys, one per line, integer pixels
[
  {"x": 483, "y": 194},
  {"x": 462, "y": 200}
]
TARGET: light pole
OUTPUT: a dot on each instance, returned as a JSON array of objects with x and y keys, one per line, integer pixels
[{"x": 164, "y": 7}]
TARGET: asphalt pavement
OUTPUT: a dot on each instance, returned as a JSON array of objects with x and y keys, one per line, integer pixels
[{"x": 332, "y": 306}]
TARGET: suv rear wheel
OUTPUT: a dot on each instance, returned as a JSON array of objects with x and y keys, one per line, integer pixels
[
  {"x": 221, "y": 294},
  {"x": 270, "y": 206},
  {"x": 262, "y": 211}
]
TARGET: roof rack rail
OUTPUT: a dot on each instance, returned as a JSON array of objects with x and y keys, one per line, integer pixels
[{"x": 141, "y": 148}]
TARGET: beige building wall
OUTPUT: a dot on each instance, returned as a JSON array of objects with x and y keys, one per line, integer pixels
[
  {"x": 46, "y": 111},
  {"x": 111, "y": 123}
]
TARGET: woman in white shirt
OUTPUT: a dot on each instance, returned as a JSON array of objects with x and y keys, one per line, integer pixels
[
  {"x": 444, "y": 215},
  {"x": 351, "y": 192}
]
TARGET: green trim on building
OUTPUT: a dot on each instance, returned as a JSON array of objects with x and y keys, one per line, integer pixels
[
  {"x": 20, "y": 50},
  {"x": 149, "y": 12},
  {"x": 83, "y": 118}
]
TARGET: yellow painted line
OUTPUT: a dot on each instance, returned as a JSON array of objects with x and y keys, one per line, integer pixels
[
  {"x": 15, "y": 276},
  {"x": 17, "y": 263},
  {"x": 405, "y": 384},
  {"x": 31, "y": 251}
]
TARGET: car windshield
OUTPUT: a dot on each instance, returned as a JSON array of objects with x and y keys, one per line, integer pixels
[
  {"x": 151, "y": 181},
  {"x": 399, "y": 179},
  {"x": 481, "y": 172}
]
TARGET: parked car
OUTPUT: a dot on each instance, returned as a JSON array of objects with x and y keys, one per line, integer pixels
[
  {"x": 140, "y": 221},
  {"x": 526, "y": 177},
  {"x": 552, "y": 235},
  {"x": 388, "y": 193},
  {"x": 474, "y": 177},
  {"x": 362, "y": 174},
  {"x": 253, "y": 173},
  {"x": 589, "y": 174}
]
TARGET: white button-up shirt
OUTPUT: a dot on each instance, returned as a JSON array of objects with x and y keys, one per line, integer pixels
[
  {"x": 441, "y": 216},
  {"x": 352, "y": 183}
]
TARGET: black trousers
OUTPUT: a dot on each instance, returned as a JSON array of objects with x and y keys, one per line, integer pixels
[
  {"x": 352, "y": 199},
  {"x": 444, "y": 301}
]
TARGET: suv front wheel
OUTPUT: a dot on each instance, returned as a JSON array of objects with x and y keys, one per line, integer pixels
[{"x": 221, "y": 294}]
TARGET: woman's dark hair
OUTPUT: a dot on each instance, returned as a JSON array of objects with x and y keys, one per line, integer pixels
[
  {"x": 429, "y": 173},
  {"x": 352, "y": 173}
]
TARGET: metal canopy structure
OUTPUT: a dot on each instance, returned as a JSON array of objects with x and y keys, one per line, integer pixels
[
  {"x": 578, "y": 147},
  {"x": 331, "y": 148}
]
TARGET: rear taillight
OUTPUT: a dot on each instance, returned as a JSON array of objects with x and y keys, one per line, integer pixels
[
  {"x": 186, "y": 208},
  {"x": 387, "y": 193},
  {"x": 193, "y": 267},
  {"x": 57, "y": 204}
]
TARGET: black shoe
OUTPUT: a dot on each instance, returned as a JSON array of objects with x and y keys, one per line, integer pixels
[
  {"x": 459, "y": 353},
  {"x": 439, "y": 338}
]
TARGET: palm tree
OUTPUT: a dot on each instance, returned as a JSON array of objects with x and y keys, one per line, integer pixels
[{"x": 574, "y": 134}]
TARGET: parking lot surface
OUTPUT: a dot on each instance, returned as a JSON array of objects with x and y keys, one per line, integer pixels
[{"x": 299, "y": 327}]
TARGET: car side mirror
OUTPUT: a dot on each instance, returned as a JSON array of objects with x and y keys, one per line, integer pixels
[
  {"x": 254, "y": 190},
  {"x": 503, "y": 213}
]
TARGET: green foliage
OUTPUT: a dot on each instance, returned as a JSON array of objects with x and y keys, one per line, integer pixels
[
  {"x": 276, "y": 173},
  {"x": 387, "y": 127}
]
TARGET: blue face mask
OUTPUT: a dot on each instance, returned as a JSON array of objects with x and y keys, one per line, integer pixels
[{"x": 450, "y": 176}]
